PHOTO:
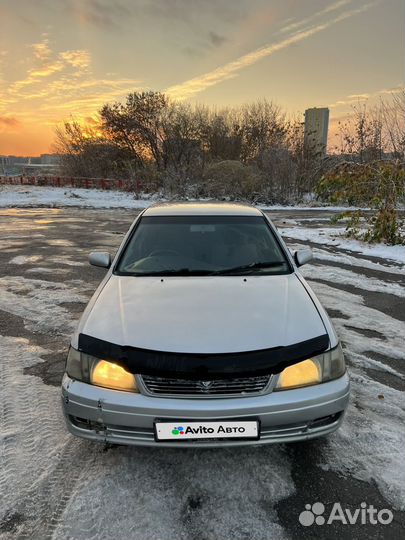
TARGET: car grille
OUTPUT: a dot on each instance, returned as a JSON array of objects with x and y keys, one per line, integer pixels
[{"x": 225, "y": 387}]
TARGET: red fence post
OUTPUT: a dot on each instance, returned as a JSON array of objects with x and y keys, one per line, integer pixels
[{"x": 57, "y": 181}]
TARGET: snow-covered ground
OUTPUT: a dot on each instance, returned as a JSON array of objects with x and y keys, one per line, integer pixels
[
  {"x": 55, "y": 486},
  {"x": 367, "y": 446},
  {"x": 334, "y": 236},
  {"x": 36, "y": 196}
]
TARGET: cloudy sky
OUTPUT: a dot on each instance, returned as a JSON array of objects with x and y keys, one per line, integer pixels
[{"x": 64, "y": 58}]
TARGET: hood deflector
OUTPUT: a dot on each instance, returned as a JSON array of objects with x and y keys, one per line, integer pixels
[{"x": 203, "y": 366}]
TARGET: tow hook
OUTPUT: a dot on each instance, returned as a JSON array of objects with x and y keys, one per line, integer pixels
[
  {"x": 100, "y": 408},
  {"x": 102, "y": 429}
]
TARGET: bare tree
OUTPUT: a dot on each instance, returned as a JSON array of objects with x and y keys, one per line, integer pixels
[
  {"x": 85, "y": 152},
  {"x": 263, "y": 126},
  {"x": 137, "y": 125},
  {"x": 377, "y": 132},
  {"x": 393, "y": 116},
  {"x": 183, "y": 130}
]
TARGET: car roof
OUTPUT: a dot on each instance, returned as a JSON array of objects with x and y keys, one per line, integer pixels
[{"x": 211, "y": 208}]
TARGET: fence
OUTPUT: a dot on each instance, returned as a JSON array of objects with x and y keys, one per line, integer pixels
[{"x": 63, "y": 181}]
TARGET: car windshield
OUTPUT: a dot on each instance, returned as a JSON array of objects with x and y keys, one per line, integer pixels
[{"x": 202, "y": 245}]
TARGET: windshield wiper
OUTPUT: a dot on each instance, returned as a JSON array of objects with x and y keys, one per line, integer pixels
[
  {"x": 174, "y": 272},
  {"x": 247, "y": 268}
]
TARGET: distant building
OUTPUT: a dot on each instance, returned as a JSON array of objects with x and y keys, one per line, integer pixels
[
  {"x": 316, "y": 131},
  {"x": 50, "y": 159},
  {"x": 44, "y": 164}
]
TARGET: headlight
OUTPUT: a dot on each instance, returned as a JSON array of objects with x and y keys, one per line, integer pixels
[
  {"x": 302, "y": 374},
  {"x": 86, "y": 368},
  {"x": 112, "y": 375},
  {"x": 325, "y": 367}
]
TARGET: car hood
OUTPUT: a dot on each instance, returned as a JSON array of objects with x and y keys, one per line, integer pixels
[{"x": 206, "y": 315}]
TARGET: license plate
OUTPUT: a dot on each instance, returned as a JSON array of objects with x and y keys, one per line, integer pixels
[{"x": 180, "y": 430}]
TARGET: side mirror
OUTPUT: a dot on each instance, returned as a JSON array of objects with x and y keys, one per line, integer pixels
[
  {"x": 100, "y": 258},
  {"x": 303, "y": 256}
]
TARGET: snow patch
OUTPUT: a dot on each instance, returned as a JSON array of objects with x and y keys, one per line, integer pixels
[
  {"x": 29, "y": 196},
  {"x": 358, "y": 262},
  {"x": 369, "y": 445},
  {"x": 347, "y": 277},
  {"x": 148, "y": 492},
  {"x": 25, "y": 259},
  {"x": 37, "y": 302},
  {"x": 313, "y": 207},
  {"x": 40, "y": 462},
  {"x": 43, "y": 270},
  {"x": 65, "y": 259},
  {"x": 357, "y": 315},
  {"x": 334, "y": 236}
]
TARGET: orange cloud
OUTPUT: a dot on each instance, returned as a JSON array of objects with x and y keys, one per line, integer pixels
[
  {"x": 47, "y": 64},
  {"x": 57, "y": 85},
  {"x": 292, "y": 26},
  {"x": 231, "y": 69},
  {"x": 9, "y": 122},
  {"x": 78, "y": 58},
  {"x": 42, "y": 52},
  {"x": 69, "y": 77},
  {"x": 354, "y": 99}
]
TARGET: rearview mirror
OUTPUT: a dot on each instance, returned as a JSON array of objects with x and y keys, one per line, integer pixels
[
  {"x": 303, "y": 256},
  {"x": 100, "y": 258}
]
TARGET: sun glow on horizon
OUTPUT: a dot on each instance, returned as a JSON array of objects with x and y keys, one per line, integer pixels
[{"x": 75, "y": 63}]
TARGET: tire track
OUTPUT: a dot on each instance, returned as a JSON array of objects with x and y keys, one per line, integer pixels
[
  {"x": 8, "y": 436},
  {"x": 45, "y": 502},
  {"x": 41, "y": 462}
]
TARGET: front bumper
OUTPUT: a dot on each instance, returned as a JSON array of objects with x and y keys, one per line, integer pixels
[{"x": 112, "y": 416}]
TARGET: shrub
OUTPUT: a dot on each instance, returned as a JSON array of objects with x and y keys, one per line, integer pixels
[
  {"x": 379, "y": 185},
  {"x": 233, "y": 179}
]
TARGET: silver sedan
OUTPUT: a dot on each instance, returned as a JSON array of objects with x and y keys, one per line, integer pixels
[{"x": 204, "y": 333}]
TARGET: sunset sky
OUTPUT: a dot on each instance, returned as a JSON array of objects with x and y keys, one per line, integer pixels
[{"x": 65, "y": 58}]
